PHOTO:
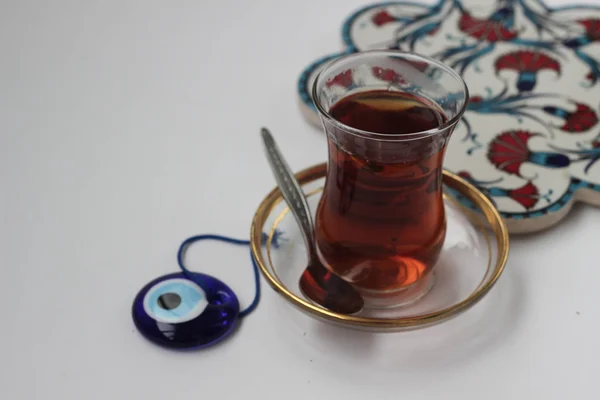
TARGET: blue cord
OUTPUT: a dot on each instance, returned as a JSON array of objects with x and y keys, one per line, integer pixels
[{"x": 226, "y": 239}]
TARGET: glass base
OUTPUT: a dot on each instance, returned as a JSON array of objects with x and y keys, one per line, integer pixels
[{"x": 385, "y": 300}]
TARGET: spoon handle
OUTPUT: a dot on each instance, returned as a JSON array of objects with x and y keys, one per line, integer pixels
[{"x": 290, "y": 188}]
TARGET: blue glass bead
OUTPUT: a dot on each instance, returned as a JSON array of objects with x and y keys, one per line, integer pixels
[{"x": 179, "y": 313}]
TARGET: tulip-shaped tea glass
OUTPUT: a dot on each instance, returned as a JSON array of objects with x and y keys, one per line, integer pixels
[{"x": 380, "y": 223}]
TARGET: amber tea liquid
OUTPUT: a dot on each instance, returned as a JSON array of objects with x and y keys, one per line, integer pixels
[{"x": 381, "y": 223}]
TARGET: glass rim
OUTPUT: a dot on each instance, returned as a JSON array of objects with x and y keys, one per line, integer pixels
[{"x": 397, "y": 137}]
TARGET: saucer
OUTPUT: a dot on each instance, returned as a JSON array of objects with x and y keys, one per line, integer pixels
[{"x": 473, "y": 257}]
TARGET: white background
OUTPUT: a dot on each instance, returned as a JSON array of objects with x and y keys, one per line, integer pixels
[{"x": 127, "y": 126}]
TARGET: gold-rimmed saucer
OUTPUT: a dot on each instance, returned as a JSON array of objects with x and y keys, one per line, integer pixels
[{"x": 473, "y": 258}]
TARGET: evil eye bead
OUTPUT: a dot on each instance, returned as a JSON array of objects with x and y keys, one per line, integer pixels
[
  {"x": 175, "y": 301},
  {"x": 177, "y": 312}
]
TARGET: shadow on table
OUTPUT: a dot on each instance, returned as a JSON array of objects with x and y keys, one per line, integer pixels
[{"x": 477, "y": 333}]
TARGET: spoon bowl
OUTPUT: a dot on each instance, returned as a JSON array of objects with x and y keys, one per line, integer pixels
[{"x": 330, "y": 291}]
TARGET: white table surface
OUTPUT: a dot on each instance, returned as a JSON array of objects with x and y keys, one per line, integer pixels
[{"x": 127, "y": 126}]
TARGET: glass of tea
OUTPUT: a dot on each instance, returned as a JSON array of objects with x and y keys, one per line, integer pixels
[{"x": 380, "y": 223}]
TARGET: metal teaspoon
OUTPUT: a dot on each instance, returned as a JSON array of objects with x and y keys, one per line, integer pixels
[{"x": 317, "y": 283}]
